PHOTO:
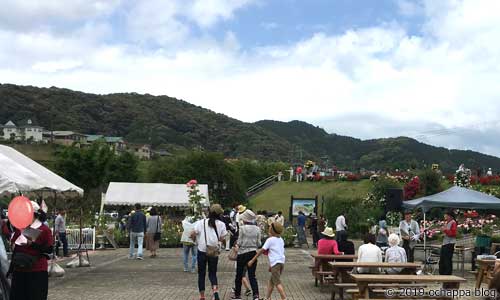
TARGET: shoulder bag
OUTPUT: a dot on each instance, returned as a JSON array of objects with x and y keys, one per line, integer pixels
[
  {"x": 157, "y": 235},
  {"x": 233, "y": 253},
  {"x": 212, "y": 251}
]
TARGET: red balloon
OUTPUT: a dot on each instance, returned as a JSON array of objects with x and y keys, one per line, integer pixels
[{"x": 21, "y": 212}]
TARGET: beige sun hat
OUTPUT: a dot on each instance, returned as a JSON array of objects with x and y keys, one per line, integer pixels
[
  {"x": 248, "y": 216},
  {"x": 328, "y": 232},
  {"x": 241, "y": 208}
]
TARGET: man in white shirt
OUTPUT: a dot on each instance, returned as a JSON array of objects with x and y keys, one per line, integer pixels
[
  {"x": 60, "y": 230},
  {"x": 340, "y": 226},
  {"x": 410, "y": 234}
]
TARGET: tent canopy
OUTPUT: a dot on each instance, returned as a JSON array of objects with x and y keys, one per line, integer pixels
[
  {"x": 455, "y": 197},
  {"x": 151, "y": 194},
  {"x": 20, "y": 174}
]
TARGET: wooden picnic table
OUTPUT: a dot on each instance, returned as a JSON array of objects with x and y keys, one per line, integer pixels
[
  {"x": 485, "y": 271},
  {"x": 343, "y": 269},
  {"x": 320, "y": 260},
  {"x": 364, "y": 280}
]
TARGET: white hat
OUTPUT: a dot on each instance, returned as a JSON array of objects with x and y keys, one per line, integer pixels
[
  {"x": 35, "y": 206},
  {"x": 248, "y": 216},
  {"x": 328, "y": 232}
]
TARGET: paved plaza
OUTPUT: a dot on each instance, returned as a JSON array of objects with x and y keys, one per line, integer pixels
[{"x": 113, "y": 276}]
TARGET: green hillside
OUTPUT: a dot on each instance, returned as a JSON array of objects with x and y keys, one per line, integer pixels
[
  {"x": 277, "y": 197},
  {"x": 177, "y": 125},
  {"x": 389, "y": 153}
]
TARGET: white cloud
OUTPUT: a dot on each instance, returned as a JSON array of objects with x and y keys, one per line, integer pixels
[
  {"x": 446, "y": 78},
  {"x": 207, "y": 12},
  {"x": 27, "y": 16}
]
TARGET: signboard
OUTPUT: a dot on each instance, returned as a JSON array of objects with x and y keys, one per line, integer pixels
[{"x": 307, "y": 206}]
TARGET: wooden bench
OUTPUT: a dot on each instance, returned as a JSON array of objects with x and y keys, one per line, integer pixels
[
  {"x": 320, "y": 260},
  {"x": 378, "y": 288},
  {"x": 365, "y": 280},
  {"x": 342, "y": 270}
]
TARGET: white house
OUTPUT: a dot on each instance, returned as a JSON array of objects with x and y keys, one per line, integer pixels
[{"x": 25, "y": 132}]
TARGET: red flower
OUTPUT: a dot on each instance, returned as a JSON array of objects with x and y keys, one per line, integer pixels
[{"x": 192, "y": 182}]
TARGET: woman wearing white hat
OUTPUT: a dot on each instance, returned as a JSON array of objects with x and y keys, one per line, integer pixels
[
  {"x": 30, "y": 279},
  {"x": 327, "y": 245},
  {"x": 249, "y": 240}
]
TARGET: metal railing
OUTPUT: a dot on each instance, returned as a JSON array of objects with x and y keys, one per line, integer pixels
[
  {"x": 261, "y": 185},
  {"x": 88, "y": 238}
]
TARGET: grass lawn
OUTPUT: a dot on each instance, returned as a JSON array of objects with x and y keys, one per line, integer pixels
[{"x": 277, "y": 197}]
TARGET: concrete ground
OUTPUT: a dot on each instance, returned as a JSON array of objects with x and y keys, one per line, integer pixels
[{"x": 113, "y": 276}]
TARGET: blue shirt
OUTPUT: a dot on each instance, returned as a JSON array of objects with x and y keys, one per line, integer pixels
[{"x": 301, "y": 220}]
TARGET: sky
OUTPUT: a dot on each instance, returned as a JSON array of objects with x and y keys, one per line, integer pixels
[{"x": 427, "y": 69}]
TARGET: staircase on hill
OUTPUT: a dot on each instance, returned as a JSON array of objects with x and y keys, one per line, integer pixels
[{"x": 261, "y": 185}]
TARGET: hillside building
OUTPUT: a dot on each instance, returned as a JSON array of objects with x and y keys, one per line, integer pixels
[
  {"x": 27, "y": 132},
  {"x": 65, "y": 138},
  {"x": 116, "y": 143}
]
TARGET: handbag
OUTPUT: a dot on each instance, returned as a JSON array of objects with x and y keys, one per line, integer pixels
[
  {"x": 212, "y": 251},
  {"x": 157, "y": 235},
  {"x": 22, "y": 260},
  {"x": 233, "y": 254}
]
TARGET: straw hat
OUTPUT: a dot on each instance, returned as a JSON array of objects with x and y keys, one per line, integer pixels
[
  {"x": 248, "y": 216},
  {"x": 328, "y": 232},
  {"x": 241, "y": 208},
  {"x": 277, "y": 227}
]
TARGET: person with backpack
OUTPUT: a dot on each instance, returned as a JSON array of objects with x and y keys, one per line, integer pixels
[{"x": 208, "y": 233}]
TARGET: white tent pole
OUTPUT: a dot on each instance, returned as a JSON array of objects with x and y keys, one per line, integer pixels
[{"x": 425, "y": 235}]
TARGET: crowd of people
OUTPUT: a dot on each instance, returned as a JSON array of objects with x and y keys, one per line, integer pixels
[
  {"x": 394, "y": 247},
  {"x": 239, "y": 231}
]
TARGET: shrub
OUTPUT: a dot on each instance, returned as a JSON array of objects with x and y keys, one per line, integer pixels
[
  {"x": 359, "y": 217},
  {"x": 412, "y": 188},
  {"x": 289, "y": 236}
]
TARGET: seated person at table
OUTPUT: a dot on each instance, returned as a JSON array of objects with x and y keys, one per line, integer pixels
[
  {"x": 369, "y": 252},
  {"x": 327, "y": 245},
  {"x": 345, "y": 246},
  {"x": 395, "y": 254}
]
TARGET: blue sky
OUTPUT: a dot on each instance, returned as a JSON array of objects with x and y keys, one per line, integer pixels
[
  {"x": 288, "y": 21},
  {"x": 363, "y": 68}
]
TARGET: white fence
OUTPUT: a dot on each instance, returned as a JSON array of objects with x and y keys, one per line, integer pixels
[{"x": 88, "y": 239}]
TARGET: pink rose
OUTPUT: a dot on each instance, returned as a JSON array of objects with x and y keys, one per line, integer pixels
[{"x": 192, "y": 182}]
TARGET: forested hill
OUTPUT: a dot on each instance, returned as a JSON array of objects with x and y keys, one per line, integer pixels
[
  {"x": 140, "y": 118},
  {"x": 168, "y": 122},
  {"x": 400, "y": 152}
]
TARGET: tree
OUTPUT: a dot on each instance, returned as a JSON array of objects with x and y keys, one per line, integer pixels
[
  {"x": 92, "y": 168},
  {"x": 430, "y": 182},
  {"x": 225, "y": 182}
]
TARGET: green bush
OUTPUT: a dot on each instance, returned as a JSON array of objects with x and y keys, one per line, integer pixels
[
  {"x": 495, "y": 239},
  {"x": 359, "y": 217},
  {"x": 289, "y": 236},
  {"x": 171, "y": 234}
]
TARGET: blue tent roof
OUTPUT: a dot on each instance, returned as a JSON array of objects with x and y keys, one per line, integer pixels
[{"x": 455, "y": 197}]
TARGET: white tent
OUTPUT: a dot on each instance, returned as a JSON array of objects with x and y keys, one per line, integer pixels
[
  {"x": 151, "y": 194},
  {"x": 20, "y": 174}
]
